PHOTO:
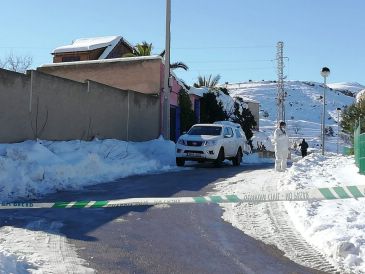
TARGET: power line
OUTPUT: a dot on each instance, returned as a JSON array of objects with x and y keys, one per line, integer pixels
[
  {"x": 231, "y": 69},
  {"x": 17, "y": 47},
  {"x": 218, "y": 47},
  {"x": 228, "y": 61}
]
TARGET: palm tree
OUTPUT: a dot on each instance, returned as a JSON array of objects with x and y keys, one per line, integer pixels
[
  {"x": 181, "y": 65},
  {"x": 209, "y": 82},
  {"x": 175, "y": 65},
  {"x": 142, "y": 49}
]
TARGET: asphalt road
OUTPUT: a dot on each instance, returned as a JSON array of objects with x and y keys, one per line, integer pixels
[{"x": 174, "y": 239}]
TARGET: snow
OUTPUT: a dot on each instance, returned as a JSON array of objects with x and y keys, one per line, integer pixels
[
  {"x": 41, "y": 167},
  {"x": 226, "y": 100},
  {"x": 350, "y": 86},
  {"x": 360, "y": 95},
  {"x": 254, "y": 158},
  {"x": 303, "y": 107},
  {"x": 109, "y": 49},
  {"x": 335, "y": 227},
  {"x": 103, "y": 61},
  {"x": 37, "y": 249},
  {"x": 33, "y": 168},
  {"x": 198, "y": 91},
  {"x": 86, "y": 44}
]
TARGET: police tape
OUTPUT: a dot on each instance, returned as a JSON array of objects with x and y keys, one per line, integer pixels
[{"x": 316, "y": 194}]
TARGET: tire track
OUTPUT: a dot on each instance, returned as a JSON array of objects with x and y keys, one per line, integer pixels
[
  {"x": 270, "y": 223},
  {"x": 294, "y": 245}
]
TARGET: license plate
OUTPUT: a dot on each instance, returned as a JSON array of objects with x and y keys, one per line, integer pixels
[{"x": 193, "y": 154}]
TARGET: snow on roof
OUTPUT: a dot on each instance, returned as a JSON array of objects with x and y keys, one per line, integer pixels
[
  {"x": 227, "y": 123},
  {"x": 248, "y": 100},
  {"x": 86, "y": 44},
  {"x": 360, "y": 95},
  {"x": 209, "y": 125},
  {"x": 113, "y": 60},
  {"x": 198, "y": 91}
]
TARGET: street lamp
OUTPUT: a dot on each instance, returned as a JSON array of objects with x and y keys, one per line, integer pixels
[
  {"x": 338, "y": 127},
  {"x": 325, "y": 72}
]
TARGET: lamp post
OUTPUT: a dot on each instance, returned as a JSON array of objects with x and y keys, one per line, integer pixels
[
  {"x": 338, "y": 127},
  {"x": 325, "y": 72}
]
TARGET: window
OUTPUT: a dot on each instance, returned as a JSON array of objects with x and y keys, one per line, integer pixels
[
  {"x": 204, "y": 130},
  {"x": 238, "y": 133},
  {"x": 70, "y": 58},
  {"x": 228, "y": 132}
]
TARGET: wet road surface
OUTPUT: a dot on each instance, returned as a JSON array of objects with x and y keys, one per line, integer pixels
[{"x": 159, "y": 239}]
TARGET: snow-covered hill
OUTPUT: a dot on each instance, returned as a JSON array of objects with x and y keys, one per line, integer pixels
[
  {"x": 303, "y": 105},
  {"x": 347, "y": 86}
]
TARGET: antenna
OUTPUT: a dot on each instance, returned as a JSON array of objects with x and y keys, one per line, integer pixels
[{"x": 280, "y": 97}]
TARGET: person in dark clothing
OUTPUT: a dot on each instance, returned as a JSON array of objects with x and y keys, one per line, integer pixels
[{"x": 304, "y": 147}]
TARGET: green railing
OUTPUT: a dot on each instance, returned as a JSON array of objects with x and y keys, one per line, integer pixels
[{"x": 359, "y": 148}]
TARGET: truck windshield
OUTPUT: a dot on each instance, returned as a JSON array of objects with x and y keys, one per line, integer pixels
[{"x": 202, "y": 130}]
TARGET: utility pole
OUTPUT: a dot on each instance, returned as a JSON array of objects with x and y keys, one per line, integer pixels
[
  {"x": 166, "y": 88},
  {"x": 280, "y": 97}
]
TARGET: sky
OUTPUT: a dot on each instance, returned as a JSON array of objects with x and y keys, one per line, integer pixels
[{"x": 233, "y": 38}]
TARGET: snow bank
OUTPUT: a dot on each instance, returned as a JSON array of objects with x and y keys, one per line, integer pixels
[
  {"x": 334, "y": 227},
  {"x": 31, "y": 168}
]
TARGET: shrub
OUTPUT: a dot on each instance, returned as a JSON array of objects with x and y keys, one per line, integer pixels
[{"x": 187, "y": 117}]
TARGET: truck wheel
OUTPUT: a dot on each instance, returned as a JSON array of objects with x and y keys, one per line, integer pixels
[
  {"x": 238, "y": 158},
  {"x": 180, "y": 161},
  {"x": 218, "y": 162}
]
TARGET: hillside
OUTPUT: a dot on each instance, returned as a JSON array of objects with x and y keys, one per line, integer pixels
[
  {"x": 347, "y": 87},
  {"x": 303, "y": 110}
]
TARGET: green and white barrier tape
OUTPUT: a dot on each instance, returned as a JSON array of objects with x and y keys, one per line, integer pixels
[{"x": 317, "y": 194}]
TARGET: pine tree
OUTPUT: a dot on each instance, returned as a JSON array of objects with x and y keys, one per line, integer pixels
[
  {"x": 244, "y": 117},
  {"x": 351, "y": 116},
  {"x": 210, "y": 109}
]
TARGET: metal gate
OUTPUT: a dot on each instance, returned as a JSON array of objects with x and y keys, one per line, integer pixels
[{"x": 359, "y": 148}]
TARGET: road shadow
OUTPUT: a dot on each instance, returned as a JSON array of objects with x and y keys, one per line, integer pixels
[{"x": 78, "y": 223}]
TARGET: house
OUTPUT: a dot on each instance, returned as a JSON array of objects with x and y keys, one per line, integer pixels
[{"x": 96, "y": 48}]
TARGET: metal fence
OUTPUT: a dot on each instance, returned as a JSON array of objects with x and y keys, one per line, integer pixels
[{"x": 359, "y": 148}]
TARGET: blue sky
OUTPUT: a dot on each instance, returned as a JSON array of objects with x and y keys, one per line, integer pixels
[{"x": 234, "y": 38}]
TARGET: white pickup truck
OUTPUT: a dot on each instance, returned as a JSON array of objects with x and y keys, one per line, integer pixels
[{"x": 212, "y": 142}]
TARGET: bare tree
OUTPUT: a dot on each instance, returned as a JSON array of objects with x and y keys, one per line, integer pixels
[{"x": 16, "y": 63}]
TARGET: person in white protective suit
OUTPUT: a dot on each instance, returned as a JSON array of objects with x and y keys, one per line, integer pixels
[{"x": 281, "y": 141}]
